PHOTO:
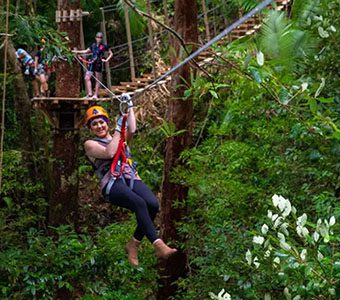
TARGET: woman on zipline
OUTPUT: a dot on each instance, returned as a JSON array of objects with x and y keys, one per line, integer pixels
[{"x": 122, "y": 186}]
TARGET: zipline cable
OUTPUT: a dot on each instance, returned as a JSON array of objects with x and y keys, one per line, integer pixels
[
  {"x": 225, "y": 32},
  {"x": 4, "y": 95}
]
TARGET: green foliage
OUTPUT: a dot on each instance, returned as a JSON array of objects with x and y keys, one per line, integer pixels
[
  {"x": 137, "y": 23},
  {"x": 18, "y": 215},
  {"x": 273, "y": 131},
  {"x": 29, "y": 30},
  {"x": 42, "y": 265}
]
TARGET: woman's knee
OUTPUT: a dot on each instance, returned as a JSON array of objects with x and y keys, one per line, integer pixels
[{"x": 154, "y": 205}]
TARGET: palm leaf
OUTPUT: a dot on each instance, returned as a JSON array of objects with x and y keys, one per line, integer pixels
[
  {"x": 137, "y": 23},
  {"x": 280, "y": 41}
]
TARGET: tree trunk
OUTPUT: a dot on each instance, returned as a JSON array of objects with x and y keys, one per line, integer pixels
[
  {"x": 22, "y": 108},
  {"x": 63, "y": 208},
  {"x": 206, "y": 20},
  {"x": 180, "y": 113}
]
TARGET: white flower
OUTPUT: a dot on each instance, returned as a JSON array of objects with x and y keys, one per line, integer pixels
[
  {"x": 256, "y": 262},
  {"x": 332, "y": 221},
  {"x": 277, "y": 260},
  {"x": 248, "y": 257},
  {"x": 258, "y": 239},
  {"x": 264, "y": 229},
  {"x": 260, "y": 58},
  {"x": 269, "y": 214},
  {"x": 282, "y": 204},
  {"x": 277, "y": 222},
  {"x": 287, "y": 294},
  {"x": 226, "y": 296},
  {"x": 283, "y": 228},
  {"x": 287, "y": 208},
  {"x": 276, "y": 200},
  {"x": 285, "y": 246},
  {"x": 301, "y": 221},
  {"x": 274, "y": 217},
  {"x": 316, "y": 236},
  {"x": 281, "y": 237},
  {"x": 304, "y": 86},
  {"x": 302, "y": 231},
  {"x": 320, "y": 256},
  {"x": 332, "y": 28},
  {"x": 322, "y": 228},
  {"x": 222, "y": 295},
  {"x": 267, "y": 253},
  {"x": 266, "y": 244},
  {"x": 303, "y": 254}
]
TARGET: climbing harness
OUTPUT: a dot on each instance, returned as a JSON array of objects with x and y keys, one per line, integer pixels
[
  {"x": 119, "y": 162},
  {"x": 116, "y": 168},
  {"x": 86, "y": 61}
]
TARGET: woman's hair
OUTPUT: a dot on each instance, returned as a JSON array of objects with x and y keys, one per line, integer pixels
[{"x": 99, "y": 117}]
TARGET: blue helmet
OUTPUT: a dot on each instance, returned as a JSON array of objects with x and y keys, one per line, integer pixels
[{"x": 21, "y": 52}]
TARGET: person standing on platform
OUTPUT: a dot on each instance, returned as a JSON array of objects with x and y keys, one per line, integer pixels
[
  {"x": 95, "y": 65},
  {"x": 40, "y": 71}
]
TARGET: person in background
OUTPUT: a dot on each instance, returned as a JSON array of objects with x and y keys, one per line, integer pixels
[
  {"x": 95, "y": 66},
  {"x": 29, "y": 66},
  {"x": 40, "y": 71}
]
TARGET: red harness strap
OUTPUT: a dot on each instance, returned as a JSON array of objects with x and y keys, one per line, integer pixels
[
  {"x": 89, "y": 62},
  {"x": 120, "y": 153}
]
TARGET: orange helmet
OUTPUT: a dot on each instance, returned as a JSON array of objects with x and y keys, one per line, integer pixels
[{"x": 95, "y": 112}]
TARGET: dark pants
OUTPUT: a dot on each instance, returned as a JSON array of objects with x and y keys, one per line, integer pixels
[{"x": 139, "y": 200}]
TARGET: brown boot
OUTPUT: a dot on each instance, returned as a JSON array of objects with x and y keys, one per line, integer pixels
[
  {"x": 162, "y": 250},
  {"x": 132, "y": 251}
]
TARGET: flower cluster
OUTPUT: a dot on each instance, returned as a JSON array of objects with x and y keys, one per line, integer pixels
[
  {"x": 285, "y": 250},
  {"x": 222, "y": 295}
]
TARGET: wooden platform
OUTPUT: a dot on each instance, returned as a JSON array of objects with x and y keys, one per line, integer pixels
[{"x": 38, "y": 102}]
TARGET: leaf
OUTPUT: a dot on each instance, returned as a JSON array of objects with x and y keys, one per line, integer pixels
[
  {"x": 313, "y": 105},
  {"x": 320, "y": 88},
  {"x": 187, "y": 93},
  {"x": 260, "y": 58},
  {"x": 283, "y": 95},
  {"x": 326, "y": 100},
  {"x": 336, "y": 134},
  {"x": 256, "y": 75},
  {"x": 8, "y": 201},
  {"x": 323, "y": 33},
  {"x": 214, "y": 94}
]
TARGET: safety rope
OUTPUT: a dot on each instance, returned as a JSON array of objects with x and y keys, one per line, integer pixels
[
  {"x": 114, "y": 96},
  {"x": 4, "y": 95}
]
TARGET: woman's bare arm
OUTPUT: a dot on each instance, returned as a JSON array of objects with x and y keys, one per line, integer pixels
[
  {"x": 88, "y": 50},
  {"x": 96, "y": 150}
]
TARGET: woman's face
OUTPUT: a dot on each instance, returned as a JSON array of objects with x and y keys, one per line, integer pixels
[{"x": 99, "y": 127}]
